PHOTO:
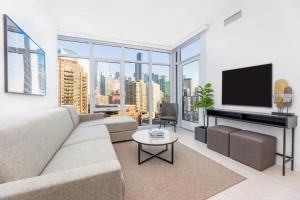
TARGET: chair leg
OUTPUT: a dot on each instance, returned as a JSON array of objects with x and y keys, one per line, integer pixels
[{"x": 174, "y": 126}]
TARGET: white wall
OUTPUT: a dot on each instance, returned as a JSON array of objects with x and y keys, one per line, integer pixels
[
  {"x": 268, "y": 32},
  {"x": 35, "y": 21}
]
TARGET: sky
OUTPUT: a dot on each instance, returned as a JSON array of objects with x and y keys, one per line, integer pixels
[{"x": 192, "y": 71}]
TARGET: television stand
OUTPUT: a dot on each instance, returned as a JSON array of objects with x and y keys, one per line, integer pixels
[{"x": 278, "y": 121}]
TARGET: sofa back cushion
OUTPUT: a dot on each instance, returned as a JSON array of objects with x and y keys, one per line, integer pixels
[
  {"x": 73, "y": 113},
  {"x": 27, "y": 143}
]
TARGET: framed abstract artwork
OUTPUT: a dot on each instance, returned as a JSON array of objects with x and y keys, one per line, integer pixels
[{"x": 25, "y": 70}]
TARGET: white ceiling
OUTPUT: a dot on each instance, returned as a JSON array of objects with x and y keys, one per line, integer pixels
[{"x": 156, "y": 23}]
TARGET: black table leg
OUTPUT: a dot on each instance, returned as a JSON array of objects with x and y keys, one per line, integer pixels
[
  {"x": 283, "y": 159},
  {"x": 172, "y": 154},
  {"x": 293, "y": 137},
  {"x": 216, "y": 121},
  {"x": 155, "y": 155},
  {"x": 174, "y": 126},
  {"x": 139, "y": 153}
]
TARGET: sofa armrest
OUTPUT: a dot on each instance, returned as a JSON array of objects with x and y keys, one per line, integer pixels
[
  {"x": 99, "y": 181},
  {"x": 92, "y": 116}
]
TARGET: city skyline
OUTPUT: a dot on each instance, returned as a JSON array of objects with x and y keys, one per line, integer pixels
[{"x": 136, "y": 77}]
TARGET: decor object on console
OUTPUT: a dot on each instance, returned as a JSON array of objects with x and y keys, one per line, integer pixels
[
  {"x": 283, "y": 95},
  {"x": 205, "y": 102}
]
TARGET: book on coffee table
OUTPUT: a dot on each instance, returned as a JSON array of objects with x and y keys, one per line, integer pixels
[{"x": 156, "y": 133}]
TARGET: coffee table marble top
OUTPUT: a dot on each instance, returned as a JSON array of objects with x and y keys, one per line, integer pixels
[{"x": 143, "y": 137}]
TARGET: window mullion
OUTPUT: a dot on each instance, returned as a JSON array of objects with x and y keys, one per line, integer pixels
[
  {"x": 150, "y": 90},
  {"x": 92, "y": 79},
  {"x": 122, "y": 80}
]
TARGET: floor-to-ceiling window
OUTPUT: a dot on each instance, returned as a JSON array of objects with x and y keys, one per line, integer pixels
[
  {"x": 160, "y": 82},
  {"x": 190, "y": 83},
  {"x": 106, "y": 69},
  {"x": 107, "y": 85},
  {"x": 127, "y": 80},
  {"x": 137, "y": 98},
  {"x": 73, "y": 75},
  {"x": 188, "y": 62}
]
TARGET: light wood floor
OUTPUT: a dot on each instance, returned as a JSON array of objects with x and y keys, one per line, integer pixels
[{"x": 266, "y": 185}]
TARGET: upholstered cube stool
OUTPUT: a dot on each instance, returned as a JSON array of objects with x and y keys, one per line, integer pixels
[
  {"x": 253, "y": 149},
  {"x": 218, "y": 138}
]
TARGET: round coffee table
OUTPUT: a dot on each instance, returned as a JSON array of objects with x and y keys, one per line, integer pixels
[{"x": 142, "y": 137}]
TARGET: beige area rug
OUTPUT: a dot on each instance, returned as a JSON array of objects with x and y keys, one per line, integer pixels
[{"x": 191, "y": 177}]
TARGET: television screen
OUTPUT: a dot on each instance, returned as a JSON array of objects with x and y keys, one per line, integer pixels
[
  {"x": 251, "y": 86},
  {"x": 24, "y": 62}
]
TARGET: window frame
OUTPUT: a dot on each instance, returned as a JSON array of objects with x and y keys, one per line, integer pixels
[
  {"x": 179, "y": 67},
  {"x": 186, "y": 44},
  {"x": 122, "y": 61}
]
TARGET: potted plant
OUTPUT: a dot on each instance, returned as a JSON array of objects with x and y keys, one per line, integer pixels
[{"x": 205, "y": 102}]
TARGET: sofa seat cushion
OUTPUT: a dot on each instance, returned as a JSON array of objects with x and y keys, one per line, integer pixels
[
  {"x": 122, "y": 136},
  {"x": 81, "y": 155},
  {"x": 85, "y": 134},
  {"x": 171, "y": 118},
  {"x": 113, "y": 124}
]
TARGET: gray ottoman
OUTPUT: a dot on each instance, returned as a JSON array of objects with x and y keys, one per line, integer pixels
[
  {"x": 218, "y": 138},
  {"x": 253, "y": 149}
]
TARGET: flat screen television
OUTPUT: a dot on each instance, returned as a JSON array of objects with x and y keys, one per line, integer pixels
[
  {"x": 24, "y": 62},
  {"x": 250, "y": 86}
]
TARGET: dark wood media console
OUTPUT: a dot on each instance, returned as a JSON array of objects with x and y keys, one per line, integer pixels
[{"x": 279, "y": 121}]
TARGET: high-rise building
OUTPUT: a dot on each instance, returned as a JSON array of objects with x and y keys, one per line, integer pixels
[
  {"x": 164, "y": 84},
  {"x": 146, "y": 78},
  {"x": 187, "y": 86},
  {"x": 138, "y": 74},
  {"x": 189, "y": 99},
  {"x": 156, "y": 98},
  {"x": 111, "y": 85},
  {"x": 136, "y": 94},
  {"x": 117, "y": 75},
  {"x": 155, "y": 78},
  {"x": 100, "y": 99},
  {"x": 73, "y": 84},
  {"x": 101, "y": 73},
  {"x": 102, "y": 85}
]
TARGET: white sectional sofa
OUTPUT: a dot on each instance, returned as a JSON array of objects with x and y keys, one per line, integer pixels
[{"x": 59, "y": 155}]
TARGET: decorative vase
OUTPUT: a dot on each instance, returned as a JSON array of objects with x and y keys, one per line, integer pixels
[{"x": 201, "y": 134}]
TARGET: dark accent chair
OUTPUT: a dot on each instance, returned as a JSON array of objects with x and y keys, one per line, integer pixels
[{"x": 168, "y": 114}]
